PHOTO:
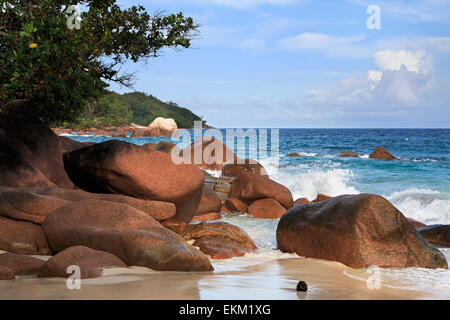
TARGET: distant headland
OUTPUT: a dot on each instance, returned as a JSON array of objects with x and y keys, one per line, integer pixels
[{"x": 120, "y": 114}]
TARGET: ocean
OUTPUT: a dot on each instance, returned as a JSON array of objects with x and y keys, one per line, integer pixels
[{"x": 418, "y": 184}]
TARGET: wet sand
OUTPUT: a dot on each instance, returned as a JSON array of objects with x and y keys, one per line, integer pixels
[{"x": 252, "y": 277}]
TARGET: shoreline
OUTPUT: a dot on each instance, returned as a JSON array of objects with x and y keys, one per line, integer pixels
[
  {"x": 109, "y": 131},
  {"x": 262, "y": 278}
]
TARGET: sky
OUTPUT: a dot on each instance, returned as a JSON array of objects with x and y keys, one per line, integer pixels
[{"x": 307, "y": 64}]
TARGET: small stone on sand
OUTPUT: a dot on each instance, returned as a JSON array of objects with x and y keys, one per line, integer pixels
[{"x": 302, "y": 286}]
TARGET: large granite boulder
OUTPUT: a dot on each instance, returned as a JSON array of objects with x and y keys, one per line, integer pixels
[
  {"x": 236, "y": 205},
  {"x": 129, "y": 234},
  {"x": 34, "y": 204},
  {"x": 209, "y": 203},
  {"x": 266, "y": 209},
  {"x": 248, "y": 166},
  {"x": 41, "y": 143},
  {"x": 208, "y": 153},
  {"x": 91, "y": 263},
  {"x": 250, "y": 187},
  {"x": 16, "y": 165},
  {"x": 160, "y": 127},
  {"x": 123, "y": 168},
  {"x": 358, "y": 231},
  {"x": 22, "y": 204}
]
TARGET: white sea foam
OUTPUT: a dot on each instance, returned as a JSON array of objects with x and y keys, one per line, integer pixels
[
  {"x": 309, "y": 184},
  {"x": 424, "y": 160},
  {"x": 427, "y": 206},
  {"x": 214, "y": 173}
]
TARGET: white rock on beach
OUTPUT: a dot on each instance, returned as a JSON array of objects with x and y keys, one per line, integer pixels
[{"x": 160, "y": 127}]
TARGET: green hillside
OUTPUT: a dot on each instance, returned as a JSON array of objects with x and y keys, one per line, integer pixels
[{"x": 136, "y": 107}]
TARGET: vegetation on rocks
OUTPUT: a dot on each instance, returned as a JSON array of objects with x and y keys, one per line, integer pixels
[{"x": 136, "y": 107}]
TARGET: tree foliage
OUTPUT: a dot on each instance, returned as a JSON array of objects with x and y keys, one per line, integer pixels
[{"x": 56, "y": 70}]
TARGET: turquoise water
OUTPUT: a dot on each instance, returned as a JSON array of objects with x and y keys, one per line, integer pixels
[{"x": 418, "y": 183}]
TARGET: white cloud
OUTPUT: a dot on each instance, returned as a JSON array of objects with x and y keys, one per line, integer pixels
[
  {"x": 417, "y": 61},
  {"x": 356, "y": 48},
  {"x": 375, "y": 75},
  {"x": 310, "y": 40},
  {"x": 404, "y": 81}
]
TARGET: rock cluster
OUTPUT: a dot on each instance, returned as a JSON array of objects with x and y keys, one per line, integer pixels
[{"x": 115, "y": 204}]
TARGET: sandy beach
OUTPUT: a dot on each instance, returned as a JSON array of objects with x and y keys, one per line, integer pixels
[{"x": 254, "y": 276}]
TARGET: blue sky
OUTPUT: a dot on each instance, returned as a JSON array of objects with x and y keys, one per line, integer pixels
[{"x": 307, "y": 64}]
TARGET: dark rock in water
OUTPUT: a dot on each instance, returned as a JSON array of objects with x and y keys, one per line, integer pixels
[
  {"x": 22, "y": 237},
  {"x": 21, "y": 265},
  {"x": 301, "y": 201},
  {"x": 6, "y": 273},
  {"x": 294, "y": 155},
  {"x": 358, "y": 231},
  {"x": 321, "y": 197},
  {"x": 236, "y": 205},
  {"x": 43, "y": 144},
  {"x": 349, "y": 154},
  {"x": 266, "y": 209},
  {"x": 129, "y": 234},
  {"x": 16, "y": 167},
  {"x": 123, "y": 168},
  {"x": 250, "y": 166},
  {"x": 91, "y": 263},
  {"x": 302, "y": 286},
  {"x": 438, "y": 234},
  {"x": 249, "y": 187},
  {"x": 209, "y": 202},
  {"x": 382, "y": 154},
  {"x": 220, "y": 240}
]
